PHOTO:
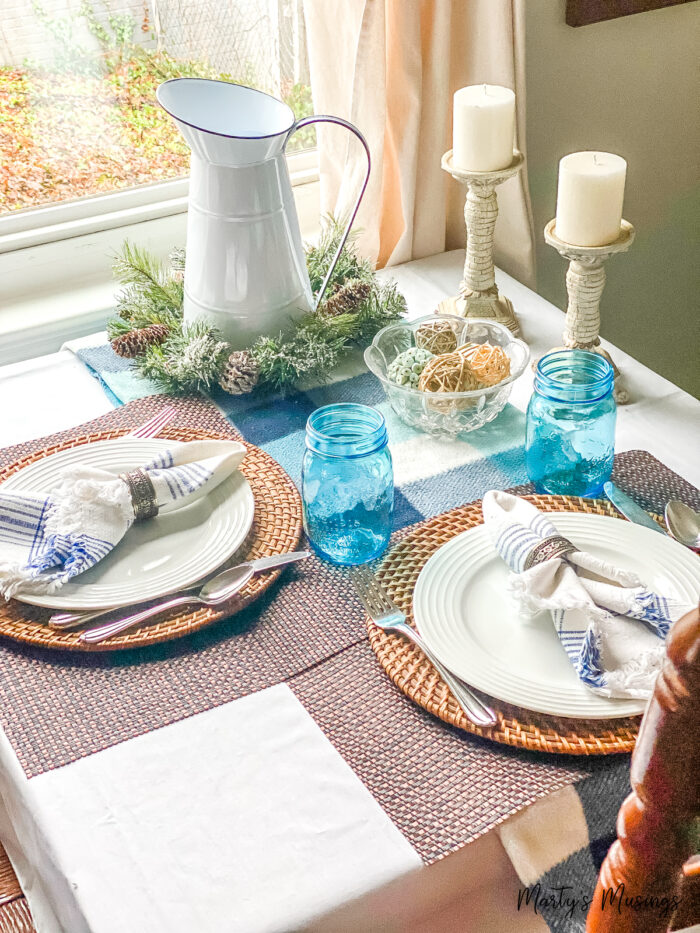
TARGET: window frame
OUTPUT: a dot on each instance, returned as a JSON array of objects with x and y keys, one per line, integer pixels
[{"x": 35, "y": 226}]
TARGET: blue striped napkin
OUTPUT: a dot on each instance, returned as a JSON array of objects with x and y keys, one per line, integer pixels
[
  {"x": 46, "y": 540},
  {"x": 610, "y": 624}
]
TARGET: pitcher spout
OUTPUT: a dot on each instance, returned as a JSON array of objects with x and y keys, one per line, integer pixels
[{"x": 225, "y": 123}]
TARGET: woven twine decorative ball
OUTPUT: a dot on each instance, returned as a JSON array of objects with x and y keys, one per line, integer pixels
[
  {"x": 448, "y": 372},
  {"x": 436, "y": 336},
  {"x": 406, "y": 369},
  {"x": 489, "y": 364}
]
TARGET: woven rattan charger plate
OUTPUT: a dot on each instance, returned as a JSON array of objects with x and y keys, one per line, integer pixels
[
  {"x": 415, "y": 676},
  {"x": 276, "y": 528}
]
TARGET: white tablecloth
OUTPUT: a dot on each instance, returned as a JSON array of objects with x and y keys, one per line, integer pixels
[{"x": 181, "y": 830}]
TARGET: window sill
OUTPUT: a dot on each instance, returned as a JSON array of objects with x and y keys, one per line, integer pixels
[{"x": 61, "y": 290}]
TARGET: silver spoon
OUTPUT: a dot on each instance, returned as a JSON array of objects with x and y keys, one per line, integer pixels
[
  {"x": 74, "y": 619},
  {"x": 683, "y": 523},
  {"x": 215, "y": 592}
]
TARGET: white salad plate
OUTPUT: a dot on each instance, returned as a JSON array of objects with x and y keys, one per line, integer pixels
[
  {"x": 465, "y": 614},
  {"x": 156, "y": 557}
]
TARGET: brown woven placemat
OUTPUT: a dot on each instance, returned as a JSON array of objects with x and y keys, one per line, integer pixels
[
  {"x": 15, "y": 917},
  {"x": 438, "y": 784},
  {"x": 58, "y": 706},
  {"x": 276, "y": 528},
  {"x": 415, "y": 676},
  {"x": 9, "y": 886}
]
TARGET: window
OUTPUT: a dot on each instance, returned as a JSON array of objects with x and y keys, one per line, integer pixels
[
  {"x": 78, "y": 115},
  {"x": 87, "y": 156}
]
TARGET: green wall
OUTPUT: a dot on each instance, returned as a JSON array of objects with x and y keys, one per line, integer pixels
[{"x": 629, "y": 86}]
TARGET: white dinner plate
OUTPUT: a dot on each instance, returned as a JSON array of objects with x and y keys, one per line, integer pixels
[
  {"x": 168, "y": 553},
  {"x": 467, "y": 617}
]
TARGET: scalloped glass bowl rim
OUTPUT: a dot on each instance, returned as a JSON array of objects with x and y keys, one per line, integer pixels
[{"x": 472, "y": 393}]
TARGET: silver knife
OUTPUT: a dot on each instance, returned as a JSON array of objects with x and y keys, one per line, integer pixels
[
  {"x": 67, "y": 620},
  {"x": 629, "y": 508}
]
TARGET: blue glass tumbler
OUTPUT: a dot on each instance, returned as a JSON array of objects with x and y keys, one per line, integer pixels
[
  {"x": 570, "y": 441},
  {"x": 347, "y": 483}
]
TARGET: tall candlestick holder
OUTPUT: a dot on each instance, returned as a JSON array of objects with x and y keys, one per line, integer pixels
[
  {"x": 585, "y": 280},
  {"x": 478, "y": 293}
]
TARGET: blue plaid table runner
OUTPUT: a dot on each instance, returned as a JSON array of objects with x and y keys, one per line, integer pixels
[{"x": 431, "y": 474}]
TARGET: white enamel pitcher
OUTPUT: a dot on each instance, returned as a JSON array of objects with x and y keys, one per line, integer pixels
[{"x": 245, "y": 270}]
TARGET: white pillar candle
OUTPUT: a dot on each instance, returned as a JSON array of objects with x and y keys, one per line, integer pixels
[
  {"x": 483, "y": 128},
  {"x": 589, "y": 198}
]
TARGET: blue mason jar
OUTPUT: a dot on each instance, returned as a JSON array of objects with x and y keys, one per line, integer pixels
[
  {"x": 570, "y": 441},
  {"x": 347, "y": 483}
]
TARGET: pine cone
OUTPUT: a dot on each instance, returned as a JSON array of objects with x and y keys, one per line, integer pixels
[
  {"x": 136, "y": 342},
  {"x": 347, "y": 299},
  {"x": 240, "y": 373}
]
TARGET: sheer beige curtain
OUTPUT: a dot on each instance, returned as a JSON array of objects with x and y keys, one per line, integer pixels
[{"x": 391, "y": 67}]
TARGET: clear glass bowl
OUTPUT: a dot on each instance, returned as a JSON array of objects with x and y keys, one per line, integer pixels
[{"x": 446, "y": 413}]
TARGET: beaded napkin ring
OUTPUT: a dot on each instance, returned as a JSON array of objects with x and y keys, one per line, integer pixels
[
  {"x": 549, "y": 548},
  {"x": 143, "y": 495}
]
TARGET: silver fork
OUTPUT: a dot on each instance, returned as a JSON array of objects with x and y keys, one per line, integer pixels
[
  {"x": 387, "y": 615},
  {"x": 155, "y": 424}
]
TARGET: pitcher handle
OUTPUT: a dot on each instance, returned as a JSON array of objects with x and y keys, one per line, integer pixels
[{"x": 325, "y": 118}]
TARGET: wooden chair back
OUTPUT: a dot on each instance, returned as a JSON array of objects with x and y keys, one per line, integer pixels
[{"x": 640, "y": 886}]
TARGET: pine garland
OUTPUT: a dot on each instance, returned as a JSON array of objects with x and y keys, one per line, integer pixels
[
  {"x": 151, "y": 293},
  {"x": 285, "y": 363},
  {"x": 320, "y": 256},
  {"x": 189, "y": 361},
  {"x": 193, "y": 358}
]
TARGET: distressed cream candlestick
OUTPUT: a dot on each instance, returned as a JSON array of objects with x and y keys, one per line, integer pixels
[
  {"x": 478, "y": 293},
  {"x": 585, "y": 280}
]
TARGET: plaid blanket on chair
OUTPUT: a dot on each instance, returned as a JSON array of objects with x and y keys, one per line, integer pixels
[{"x": 558, "y": 844}]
